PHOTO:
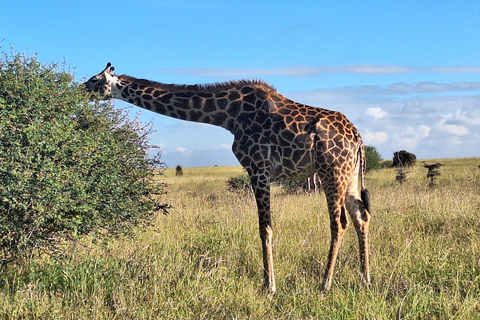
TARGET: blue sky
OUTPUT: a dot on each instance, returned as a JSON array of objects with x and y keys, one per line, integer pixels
[{"x": 406, "y": 73}]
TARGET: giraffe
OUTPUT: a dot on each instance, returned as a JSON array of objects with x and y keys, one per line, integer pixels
[{"x": 274, "y": 137}]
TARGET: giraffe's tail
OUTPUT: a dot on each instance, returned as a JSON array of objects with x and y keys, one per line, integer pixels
[{"x": 364, "y": 194}]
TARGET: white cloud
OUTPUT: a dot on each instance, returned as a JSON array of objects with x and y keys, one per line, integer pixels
[
  {"x": 468, "y": 115},
  {"x": 376, "y": 113},
  {"x": 455, "y": 140},
  {"x": 460, "y": 69},
  {"x": 226, "y": 146},
  {"x": 452, "y": 128},
  {"x": 410, "y": 137},
  {"x": 431, "y": 87},
  {"x": 417, "y": 133},
  {"x": 374, "y": 138},
  {"x": 180, "y": 149},
  {"x": 423, "y": 131}
]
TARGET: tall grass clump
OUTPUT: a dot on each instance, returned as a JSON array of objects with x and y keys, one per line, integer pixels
[{"x": 68, "y": 167}]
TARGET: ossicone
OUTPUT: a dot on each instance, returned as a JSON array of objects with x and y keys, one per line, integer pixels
[{"x": 109, "y": 68}]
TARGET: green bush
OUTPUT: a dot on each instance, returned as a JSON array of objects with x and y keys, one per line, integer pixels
[
  {"x": 373, "y": 158},
  {"x": 68, "y": 167},
  {"x": 240, "y": 183},
  {"x": 386, "y": 164},
  {"x": 293, "y": 186}
]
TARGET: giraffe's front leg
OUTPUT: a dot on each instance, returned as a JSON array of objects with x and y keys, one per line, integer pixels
[
  {"x": 266, "y": 235},
  {"x": 261, "y": 188}
]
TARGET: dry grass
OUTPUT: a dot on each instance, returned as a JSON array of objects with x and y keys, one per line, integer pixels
[{"x": 203, "y": 261}]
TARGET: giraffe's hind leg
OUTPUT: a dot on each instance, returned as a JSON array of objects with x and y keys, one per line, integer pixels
[
  {"x": 361, "y": 220},
  {"x": 338, "y": 225}
]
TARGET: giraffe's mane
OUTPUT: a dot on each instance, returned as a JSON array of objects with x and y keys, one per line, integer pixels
[{"x": 196, "y": 87}]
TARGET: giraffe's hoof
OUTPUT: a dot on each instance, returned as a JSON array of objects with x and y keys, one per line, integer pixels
[
  {"x": 269, "y": 292},
  {"x": 326, "y": 286}
]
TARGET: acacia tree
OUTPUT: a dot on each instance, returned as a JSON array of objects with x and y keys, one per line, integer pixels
[
  {"x": 68, "y": 167},
  {"x": 403, "y": 158}
]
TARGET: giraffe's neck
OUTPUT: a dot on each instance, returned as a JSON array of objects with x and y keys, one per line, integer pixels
[{"x": 217, "y": 104}]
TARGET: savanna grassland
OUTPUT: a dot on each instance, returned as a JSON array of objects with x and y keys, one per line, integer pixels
[{"x": 203, "y": 260}]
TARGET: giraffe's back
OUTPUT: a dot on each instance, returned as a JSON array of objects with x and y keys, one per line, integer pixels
[{"x": 307, "y": 139}]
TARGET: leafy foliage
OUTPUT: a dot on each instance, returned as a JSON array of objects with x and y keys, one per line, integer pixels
[
  {"x": 373, "y": 158},
  {"x": 68, "y": 167}
]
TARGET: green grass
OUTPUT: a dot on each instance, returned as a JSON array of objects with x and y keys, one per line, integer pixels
[{"x": 203, "y": 260}]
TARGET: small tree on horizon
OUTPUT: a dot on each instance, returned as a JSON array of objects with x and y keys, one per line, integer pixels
[
  {"x": 179, "y": 170},
  {"x": 403, "y": 158}
]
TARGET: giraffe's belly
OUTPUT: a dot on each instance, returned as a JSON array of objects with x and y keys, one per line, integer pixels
[{"x": 293, "y": 164}]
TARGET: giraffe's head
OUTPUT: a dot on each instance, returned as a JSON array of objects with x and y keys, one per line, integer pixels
[{"x": 102, "y": 83}]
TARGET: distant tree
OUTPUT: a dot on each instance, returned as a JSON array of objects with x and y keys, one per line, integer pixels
[
  {"x": 403, "y": 158},
  {"x": 373, "y": 158},
  {"x": 179, "y": 171}
]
